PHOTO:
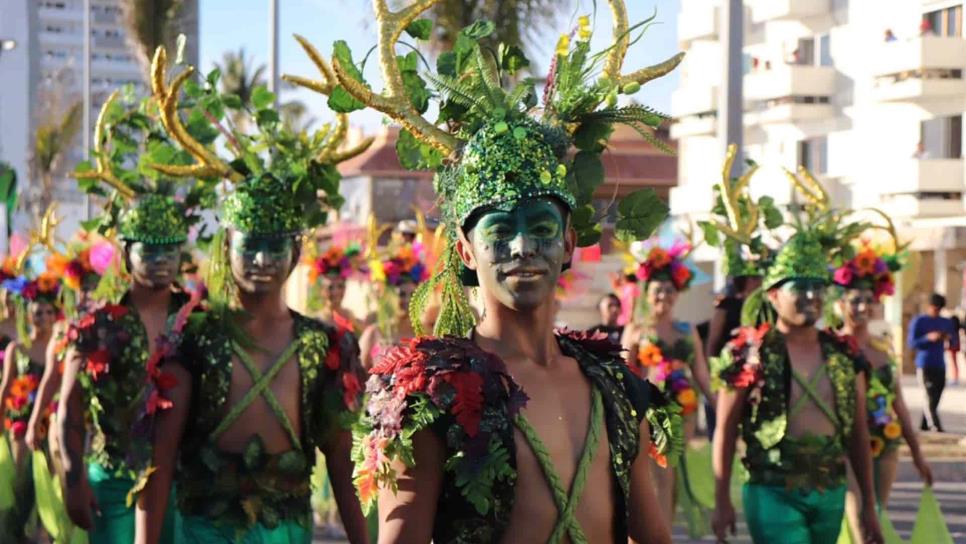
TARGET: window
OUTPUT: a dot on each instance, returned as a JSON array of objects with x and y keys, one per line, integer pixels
[
  {"x": 813, "y": 154},
  {"x": 943, "y": 22},
  {"x": 825, "y": 50},
  {"x": 805, "y": 53},
  {"x": 942, "y": 138}
]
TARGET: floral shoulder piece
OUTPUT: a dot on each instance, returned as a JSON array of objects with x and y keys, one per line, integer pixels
[
  {"x": 848, "y": 346},
  {"x": 739, "y": 365},
  {"x": 453, "y": 386}
]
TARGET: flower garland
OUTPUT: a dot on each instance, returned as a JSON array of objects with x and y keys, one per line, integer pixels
[
  {"x": 667, "y": 264},
  {"x": 23, "y": 390},
  {"x": 670, "y": 373},
  {"x": 337, "y": 260},
  {"x": 869, "y": 270},
  {"x": 405, "y": 264},
  {"x": 884, "y": 425}
]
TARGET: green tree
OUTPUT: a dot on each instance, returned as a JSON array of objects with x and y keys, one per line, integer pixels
[
  {"x": 240, "y": 76},
  {"x": 52, "y": 143},
  {"x": 517, "y": 20},
  {"x": 148, "y": 24}
]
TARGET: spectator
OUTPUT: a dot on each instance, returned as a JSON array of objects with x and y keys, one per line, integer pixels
[
  {"x": 609, "y": 307},
  {"x": 925, "y": 28},
  {"x": 954, "y": 351},
  {"x": 921, "y": 152},
  {"x": 929, "y": 335},
  {"x": 889, "y": 36},
  {"x": 407, "y": 229}
]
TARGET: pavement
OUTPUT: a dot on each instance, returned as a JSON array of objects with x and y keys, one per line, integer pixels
[{"x": 946, "y": 453}]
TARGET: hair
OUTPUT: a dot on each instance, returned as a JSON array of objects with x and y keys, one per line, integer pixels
[
  {"x": 610, "y": 296},
  {"x": 937, "y": 300}
]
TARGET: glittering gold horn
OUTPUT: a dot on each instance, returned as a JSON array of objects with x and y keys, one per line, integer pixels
[
  {"x": 890, "y": 227},
  {"x": 393, "y": 101},
  {"x": 740, "y": 226},
  {"x": 809, "y": 187},
  {"x": 102, "y": 163},
  {"x": 622, "y": 41},
  {"x": 207, "y": 164}
]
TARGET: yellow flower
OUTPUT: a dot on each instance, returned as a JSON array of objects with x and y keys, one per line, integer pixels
[
  {"x": 563, "y": 45},
  {"x": 892, "y": 430},
  {"x": 877, "y": 446},
  {"x": 583, "y": 27}
]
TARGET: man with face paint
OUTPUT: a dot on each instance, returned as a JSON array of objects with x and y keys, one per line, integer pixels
[
  {"x": 107, "y": 378},
  {"x": 798, "y": 396}
]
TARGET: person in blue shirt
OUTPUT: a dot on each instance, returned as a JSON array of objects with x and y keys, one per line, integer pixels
[{"x": 930, "y": 334}]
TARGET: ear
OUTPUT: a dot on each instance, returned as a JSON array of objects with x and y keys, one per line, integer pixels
[
  {"x": 570, "y": 241},
  {"x": 465, "y": 249},
  {"x": 772, "y": 296},
  {"x": 296, "y": 254}
]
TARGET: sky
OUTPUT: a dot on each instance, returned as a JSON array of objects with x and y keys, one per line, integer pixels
[{"x": 230, "y": 24}]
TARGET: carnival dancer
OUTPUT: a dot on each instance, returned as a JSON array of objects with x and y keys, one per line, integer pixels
[
  {"x": 508, "y": 429},
  {"x": 328, "y": 274},
  {"x": 267, "y": 385},
  {"x": 36, "y": 302},
  {"x": 798, "y": 396},
  {"x": 112, "y": 376},
  {"x": 864, "y": 280},
  {"x": 395, "y": 280},
  {"x": 668, "y": 352}
]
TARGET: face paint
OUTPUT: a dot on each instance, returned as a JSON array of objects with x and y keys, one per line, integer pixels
[
  {"x": 661, "y": 296},
  {"x": 260, "y": 264},
  {"x": 799, "y": 302},
  {"x": 154, "y": 265},
  {"x": 520, "y": 253},
  {"x": 858, "y": 306}
]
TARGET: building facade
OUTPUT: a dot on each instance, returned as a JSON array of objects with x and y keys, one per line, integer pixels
[
  {"x": 867, "y": 94},
  {"x": 46, "y": 59}
]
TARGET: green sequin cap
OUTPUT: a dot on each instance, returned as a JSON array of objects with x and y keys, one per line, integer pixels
[
  {"x": 801, "y": 257},
  {"x": 502, "y": 165},
  {"x": 263, "y": 206},
  {"x": 153, "y": 219}
]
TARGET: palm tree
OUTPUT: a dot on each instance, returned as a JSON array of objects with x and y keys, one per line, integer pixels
[
  {"x": 517, "y": 19},
  {"x": 148, "y": 24},
  {"x": 240, "y": 77},
  {"x": 52, "y": 142},
  {"x": 295, "y": 115}
]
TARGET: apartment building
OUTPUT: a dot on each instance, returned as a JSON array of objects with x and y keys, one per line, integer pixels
[
  {"x": 867, "y": 94},
  {"x": 47, "y": 44}
]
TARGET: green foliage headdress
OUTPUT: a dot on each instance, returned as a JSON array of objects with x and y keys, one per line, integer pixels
[{"x": 494, "y": 143}]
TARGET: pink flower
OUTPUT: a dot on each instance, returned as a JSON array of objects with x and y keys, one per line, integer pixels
[
  {"x": 843, "y": 275},
  {"x": 19, "y": 429},
  {"x": 101, "y": 257}
]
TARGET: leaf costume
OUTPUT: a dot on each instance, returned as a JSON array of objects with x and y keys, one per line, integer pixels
[{"x": 497, "y": 151}]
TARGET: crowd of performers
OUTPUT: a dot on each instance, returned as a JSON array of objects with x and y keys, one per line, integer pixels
[{"x": 157, "y": 387}]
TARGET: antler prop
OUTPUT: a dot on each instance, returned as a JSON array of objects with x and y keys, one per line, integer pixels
[
  {"x": 393, "y": 101},
  {"x": 335, "y": 135},
  {"x": 622, "y": 41},
  {"x": 890, "y": 227},
  {"x": 740, "y": 227},
  {"x": 809, "y": 187},
  {"x": 207, "y": 164},
  {"x": 45, "y": 235},
  {"x": 103, "y": 171}
]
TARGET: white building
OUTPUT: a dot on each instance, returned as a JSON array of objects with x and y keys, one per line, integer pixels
[
  {"x": 849, "y": 89},
  {"x": 48, "y": 40}
]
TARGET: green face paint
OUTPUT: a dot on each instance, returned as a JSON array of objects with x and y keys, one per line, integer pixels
[
  {"x": 260, "y": 264},
  {"x": 154, "y": 265},
  {"x": 520, "y": 252}
]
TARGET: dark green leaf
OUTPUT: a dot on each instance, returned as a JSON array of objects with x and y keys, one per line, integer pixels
[
  {"x": 592, "y": 136},
  {"x": 583, "y": 221},
  {"x": 262, "y": 98},
  {"x": 772, "y": 215},
  {"x": 214, "y": 106},
  {"x": 342, "y": 53},
  {"x": 446, "y": 64},
  {"x": 588, "y": 175},
  {"x": 420, "y": 29},
  {"x": 512, "y": 59},
  {"x": 192, "y": 89},
  {"x": 479, "y": 30},
  {"x": 233, "y": 101},
  {"x": 213, "y": 77},
  {"x": 340, "y": 101},
  {"x": 91, "y": 224},
  {"x": 200, "y": 128},
  {"x": 266, "y": 117},
  {"x": 639, "y": 214}
]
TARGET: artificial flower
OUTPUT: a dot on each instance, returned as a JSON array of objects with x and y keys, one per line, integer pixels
[
  {"x": 649, "y": 355},
  {"x": 877, "y": 446},
  {"x": 865, "y": 262},
  {"x": 843, "y": 275},
  {"x": 892, "y": 430}
]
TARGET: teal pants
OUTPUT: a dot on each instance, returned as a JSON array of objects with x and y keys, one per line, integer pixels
[
  {"x": 200, "y": 530},
  {"x": 115, "y": 525},
  {"x": 775, "y": 514}
]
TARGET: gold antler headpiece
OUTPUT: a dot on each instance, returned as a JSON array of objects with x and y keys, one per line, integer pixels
[
  {"x": 810, "y": 188},
  {"x": 740, "y": 226},
  {"x": 207, "y": 164},
  {"x": 890, "y": 228},
  {"x": 103, "y": 170}
]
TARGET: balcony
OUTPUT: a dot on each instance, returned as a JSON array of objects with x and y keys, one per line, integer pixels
[
  {"x": 912, "y": 206},
  {"x": 909, "y": 176},
  {"x": 694, "y": 109},
  {"x": 695, "y": 125},
  {"x": 786, "y": 80},
  {"x": 920, "y": 69},
  {"x": 698, "y": 20},
  {"x": 784, "y": 10}
]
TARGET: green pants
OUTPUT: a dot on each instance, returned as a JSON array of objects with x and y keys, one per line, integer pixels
[
  {"x": 115, "y": 525},
  {"x": 200, "y": 530},
  {"x": 776, "y": 514}
]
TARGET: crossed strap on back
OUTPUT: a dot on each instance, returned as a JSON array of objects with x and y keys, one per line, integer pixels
[
  {"x": 261, "y": 387},
  {"x": 808, "y": 387},
  {"x": 567, "y": 505}
]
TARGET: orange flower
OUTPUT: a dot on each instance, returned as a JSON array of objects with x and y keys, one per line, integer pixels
[
  {"x": 892, "y": 430},
  {"x": 877, "y": 446},
  {"x": 649, "y": 355},
  {"x": 658, "y": 457},
  {"x": 47, "y": 282},
  {"x": 865, "y": 262},
  {"x": 85, "y": 259},
  {"x": 56, "y": 264},
  {"x": 658, "y": 258},
  {"x": 366, "y": 485},
  {"x": 688, "y": 401}
]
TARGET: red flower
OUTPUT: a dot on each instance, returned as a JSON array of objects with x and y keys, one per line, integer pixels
[
  {"x": 97, "y": 363},
  {"x": 658, "y": 457},
  {"x": 18, "y": 429},
  {"x": 30, "y": 291},
  {"x": 350, "y": 389},
  {"x": 115, "y": 311},
  {"x": 410, "y": 378},
  {"x": 16, "y": 403},
  {"x": 166, "y": 380},
  {"x": 397, "y": 357},
  {"x": 749, "y": 375},
  {"x": 750, "y": 335},
  {"x": 86, "y": 321},
  {"x": 157, "y": 402},
  {"x": 468, "y": 402}
]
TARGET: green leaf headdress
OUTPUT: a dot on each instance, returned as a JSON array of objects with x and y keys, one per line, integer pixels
[
  {"x": 498, "y": 147},
  {"x": 280, "y": 182},
  {"x": 144, "y": 204}
]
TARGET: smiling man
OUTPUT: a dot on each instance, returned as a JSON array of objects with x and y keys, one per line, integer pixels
[{"x": 797, "y": 395}]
